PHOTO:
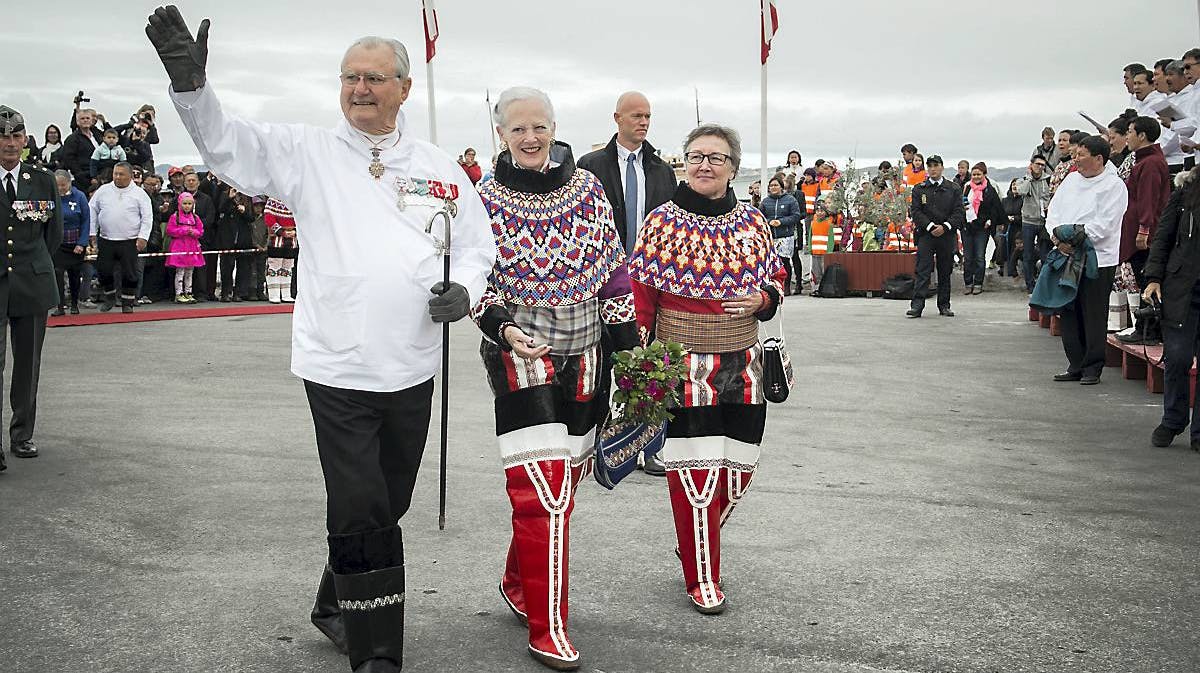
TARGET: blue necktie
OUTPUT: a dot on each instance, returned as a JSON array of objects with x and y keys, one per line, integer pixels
[{"x": 631, "y": 203}]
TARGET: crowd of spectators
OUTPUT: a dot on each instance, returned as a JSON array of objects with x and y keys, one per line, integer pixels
[{"x": 84, "y": 161}]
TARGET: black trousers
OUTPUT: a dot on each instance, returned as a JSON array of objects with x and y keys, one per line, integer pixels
[
  {"x": 69, "y": 264},
  {"x": 1180, "y": 346},
  {"x": 370, "y": 445},
  {"x": 934, "y": 252},
  {"x": 204, "y": 281},
  {"x": 1085, "y": 323},
  {"x": 258, "y": 275},
  {"x": 230, "y": 285},
  {"x": 27, "y": 333},
  {"x": 114, "y": 257}
]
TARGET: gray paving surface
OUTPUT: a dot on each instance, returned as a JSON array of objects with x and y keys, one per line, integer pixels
[{"x": 929, "y": 501}]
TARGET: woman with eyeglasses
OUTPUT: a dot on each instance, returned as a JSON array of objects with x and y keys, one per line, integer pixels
[
  {"x": 704, "y": 273},
  {"x": 559, "y": 281}
]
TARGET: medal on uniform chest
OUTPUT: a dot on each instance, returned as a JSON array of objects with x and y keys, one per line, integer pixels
[{"x": 376, "y": 167}]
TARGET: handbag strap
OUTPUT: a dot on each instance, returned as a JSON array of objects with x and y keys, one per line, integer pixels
[{"x": 778, "y": 318}]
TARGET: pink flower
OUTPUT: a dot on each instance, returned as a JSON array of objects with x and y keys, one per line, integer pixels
[
  {"x": 625, "y": 382},
  {"x": 647, "y": 366},
  {"x": 667, "y": 359},
  {"x": 655, "y": 393}
]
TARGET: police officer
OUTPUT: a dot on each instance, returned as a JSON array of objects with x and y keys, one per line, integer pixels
[
  {"x": 937, "y": 213},
  {"x": 31, "y": 215}
]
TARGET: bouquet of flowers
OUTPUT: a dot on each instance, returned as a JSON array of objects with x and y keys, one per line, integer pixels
[{"x": 647, "y": 378}]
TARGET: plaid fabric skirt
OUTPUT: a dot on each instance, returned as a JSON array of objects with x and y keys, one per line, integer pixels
[
  {"x": 568, "y": 330},
  {"x": 722, "y": 412},
  {"x": 546, "y": 408}
]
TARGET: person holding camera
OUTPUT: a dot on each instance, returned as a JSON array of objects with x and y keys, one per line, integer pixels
[
  {"x": 1173, "y": 296},
  {"x": 138, "y": 134}
]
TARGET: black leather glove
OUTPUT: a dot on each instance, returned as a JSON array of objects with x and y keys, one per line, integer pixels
[
  {"x": 183, "y": 57},
  {"x": 451, "y": 302}
]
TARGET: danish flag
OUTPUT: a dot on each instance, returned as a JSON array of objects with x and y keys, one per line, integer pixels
[
  {"x": 431, "y": 29},
  {"x": 770, "y": 24}
]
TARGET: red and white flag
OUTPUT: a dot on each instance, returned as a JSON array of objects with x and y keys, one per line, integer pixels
[
  {"x": 431, "y": 29},
  {"x": 770, "y": 24}
]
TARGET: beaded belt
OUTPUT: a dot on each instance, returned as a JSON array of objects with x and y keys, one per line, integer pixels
[{"x": 706, "y": 332}]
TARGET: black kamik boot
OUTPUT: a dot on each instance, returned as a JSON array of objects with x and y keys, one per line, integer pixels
[{"x": 326, "y": 615}]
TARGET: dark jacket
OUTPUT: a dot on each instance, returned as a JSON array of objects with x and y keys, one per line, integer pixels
[
  {"x": 991, "y": 208},
  {"x": 138, "y": 152},
  {"x": 1058, "y": 282},
  {"x": 660, "y": 179},
  {"x": 784, "y": 208},
  {"x": 1149, "y": 189},
  {"x": 76, "y": 156},
  {"x": 206, "y": 210},
  {"x": 1174, "y": 260},
  {"x": 233, "y": 228},
  {"x": 27, "y": 284},
  {"x": 1012, "y": 210},
  {"x": 937, "y": 204},
  {"x": 76, "y": 219}
]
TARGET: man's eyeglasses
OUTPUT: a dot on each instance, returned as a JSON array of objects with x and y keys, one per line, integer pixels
[
  {"x": 714, "y": 159},
  {"x": 373, "y": 79}
]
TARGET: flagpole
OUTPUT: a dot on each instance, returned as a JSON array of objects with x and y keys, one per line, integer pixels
[
  {"x": 697, "y": 90},
  {"x": 763, "y": 125},
  {"x": 429, "y": 17},
  {"x": 491, "y": 128},
  {"x": 432, "y": 103}
]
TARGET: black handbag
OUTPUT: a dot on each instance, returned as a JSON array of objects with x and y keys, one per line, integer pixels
[{"x": 778, "y": 377}]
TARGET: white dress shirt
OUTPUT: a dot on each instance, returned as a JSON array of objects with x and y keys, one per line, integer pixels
[
  {"x": 1098, "y": 204},
  {"x": 361, "y": 320},
  {"x": 121, "y": 214},
  {"x": 1150, "y": 106},
  {"x": 623, "y": 163},
  {"x": 16, "y": 176}
]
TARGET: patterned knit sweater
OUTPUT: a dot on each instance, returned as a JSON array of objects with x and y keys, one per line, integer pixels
[
  {"x": 692, "y": 253},
  {"x": 557, "y": 248}
]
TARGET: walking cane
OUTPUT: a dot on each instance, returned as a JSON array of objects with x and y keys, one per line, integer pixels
[{"x": 447, "y": 213}]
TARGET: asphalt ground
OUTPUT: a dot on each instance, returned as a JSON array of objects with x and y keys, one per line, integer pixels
[{"x": 928, "y": 500}]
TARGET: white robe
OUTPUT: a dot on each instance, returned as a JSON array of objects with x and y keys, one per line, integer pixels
[
  {"x": 1098, "y": 204},
  {"x": 361, "y": 320}
]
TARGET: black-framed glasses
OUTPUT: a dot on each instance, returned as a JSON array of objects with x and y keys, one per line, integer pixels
[
  {"x": 714, "y": 159},
  {"x": 372, "y": 79}
]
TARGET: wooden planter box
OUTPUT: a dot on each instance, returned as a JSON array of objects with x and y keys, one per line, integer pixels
[{"x": 867, "y": 270}]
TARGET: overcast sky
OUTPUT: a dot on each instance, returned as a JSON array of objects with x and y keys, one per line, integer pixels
[{"x": 964, "y": 79}]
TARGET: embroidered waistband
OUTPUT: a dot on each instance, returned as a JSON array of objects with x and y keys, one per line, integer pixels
[{"x": 706, "y": 332}]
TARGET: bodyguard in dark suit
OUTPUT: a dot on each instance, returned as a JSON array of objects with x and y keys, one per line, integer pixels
[
  {"x": 31, "y": 215},
  {"x": 636, "y": 181},
  {"x": 653, "y": 181},
  {"x": 937, "y": 213}
]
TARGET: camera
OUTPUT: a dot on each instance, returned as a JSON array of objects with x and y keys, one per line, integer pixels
[
  {"x": 1152, "y": 310},
  {"x": 80, "y": 99}
]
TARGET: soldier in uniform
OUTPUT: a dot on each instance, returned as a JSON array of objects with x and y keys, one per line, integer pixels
[
  {"x": 937, "y": 213},
  {"x": 31, "y": 215}
]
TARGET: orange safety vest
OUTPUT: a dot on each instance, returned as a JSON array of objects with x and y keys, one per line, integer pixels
[
  {"x": 899, "y": 237},
  {"x": 826, "y": 184},
  {"x": 825, "y": 235},
  {"x": 811, "y": 192},
  {"x": 912, "y": 178}
]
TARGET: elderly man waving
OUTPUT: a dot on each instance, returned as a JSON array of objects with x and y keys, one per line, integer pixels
[{"x": 362, "y": 336}]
